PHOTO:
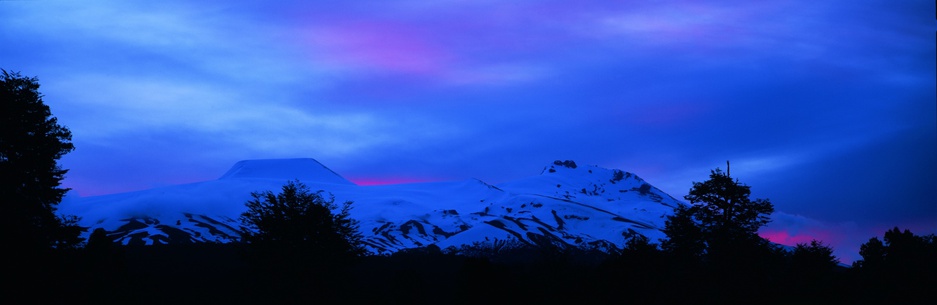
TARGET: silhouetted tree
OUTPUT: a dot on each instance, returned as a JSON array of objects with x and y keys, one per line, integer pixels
[
  {"x": 106, "y": 265},
  {"x": 905, "y": 250},
  {"x": 901, "y": 250},
  {"x": 812, "y": 268},
  {"x": 684, "y": 235},
  {"x": 35, "y": 238},
  {"x": 722, "y": 206},
  {"x": 719, "y": 227},
  {"x": 720, "y": 220},
  {"x": 640, "y": 245},
  {"x": 902, "y": 270},
  {"x": 814, "y": 257},
  {"x": 31, "y": 142},
  {"x": 640, "y": 270},
  {"x": 301, "y": 219},
  {"x": 873, "y": 254},
  {"x": 100, "y": 244},
  {"x": 301, "y": 241}
]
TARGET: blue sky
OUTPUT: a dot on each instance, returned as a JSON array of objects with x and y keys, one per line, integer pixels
[{"x": 827, "y": 108}]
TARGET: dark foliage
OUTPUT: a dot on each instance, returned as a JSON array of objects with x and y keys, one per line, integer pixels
[
  {"x": 903, "y": 269},
  {"x": 723, "y": 208},
  {"x": 684, "y": 236},
  {"x": 813, "y": 259},
  {"x": 721, "y": 223},
  {"x": 873, "y": 255},
  {"x": 31, "y": 142},
  {"x": 814, "y": 273},
  {"x": 640, "y": 274},
  {"x": 295, "y": 241},
  {"x": 300, "y": 220},
  {"x": 36, "y": 240},
  {"x": 715, "y": 238}
]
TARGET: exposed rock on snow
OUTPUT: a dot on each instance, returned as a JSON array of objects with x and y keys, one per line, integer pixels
[{"x": 586, "y": 206}]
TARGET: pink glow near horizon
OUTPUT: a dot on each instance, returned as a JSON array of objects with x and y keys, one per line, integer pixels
[
  {"x": 845, "y": 249},
  {"x": 788, "y": 239},
  {"x": 387, "y": 181}
]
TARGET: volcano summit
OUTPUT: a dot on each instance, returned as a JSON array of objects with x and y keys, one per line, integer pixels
[{"x": 583, "y": 206}]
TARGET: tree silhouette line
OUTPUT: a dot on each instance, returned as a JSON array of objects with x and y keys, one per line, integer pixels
[{"x": 302, "y": 247}]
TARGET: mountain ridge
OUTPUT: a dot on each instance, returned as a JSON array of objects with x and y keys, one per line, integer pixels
[{"x": 582, "y": 206}]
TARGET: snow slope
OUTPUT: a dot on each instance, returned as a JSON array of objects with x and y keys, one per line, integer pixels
[{"x": 584, "y": 206}]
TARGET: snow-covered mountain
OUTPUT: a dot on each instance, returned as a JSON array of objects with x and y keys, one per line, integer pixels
[{"x": 575, "y": 205}]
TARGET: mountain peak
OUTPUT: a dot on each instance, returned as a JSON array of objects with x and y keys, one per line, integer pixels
[
  {"x": 569, "y": 164},
  {"x": 577, "y": 205},
  {"x": 304, "y": 169},
  {"x": 569, "y": 167}
]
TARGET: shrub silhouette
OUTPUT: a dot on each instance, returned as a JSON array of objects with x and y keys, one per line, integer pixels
[
  {"x": 303, "y": 221},
  {"x": 902, "y": 269}
]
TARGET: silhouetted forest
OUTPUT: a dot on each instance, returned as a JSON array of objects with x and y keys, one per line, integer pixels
[
  {"x": 902, "y": 272},
  {"x": 298, "y": 251}
]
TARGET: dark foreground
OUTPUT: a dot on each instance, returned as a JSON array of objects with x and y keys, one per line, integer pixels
[{"x": 230, "y": 274}]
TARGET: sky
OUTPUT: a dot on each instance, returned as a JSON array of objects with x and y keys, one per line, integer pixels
[{"x": 826, "y": 108}]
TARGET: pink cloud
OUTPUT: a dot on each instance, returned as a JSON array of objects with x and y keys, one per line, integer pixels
[{"x": 380, "y": 46}]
